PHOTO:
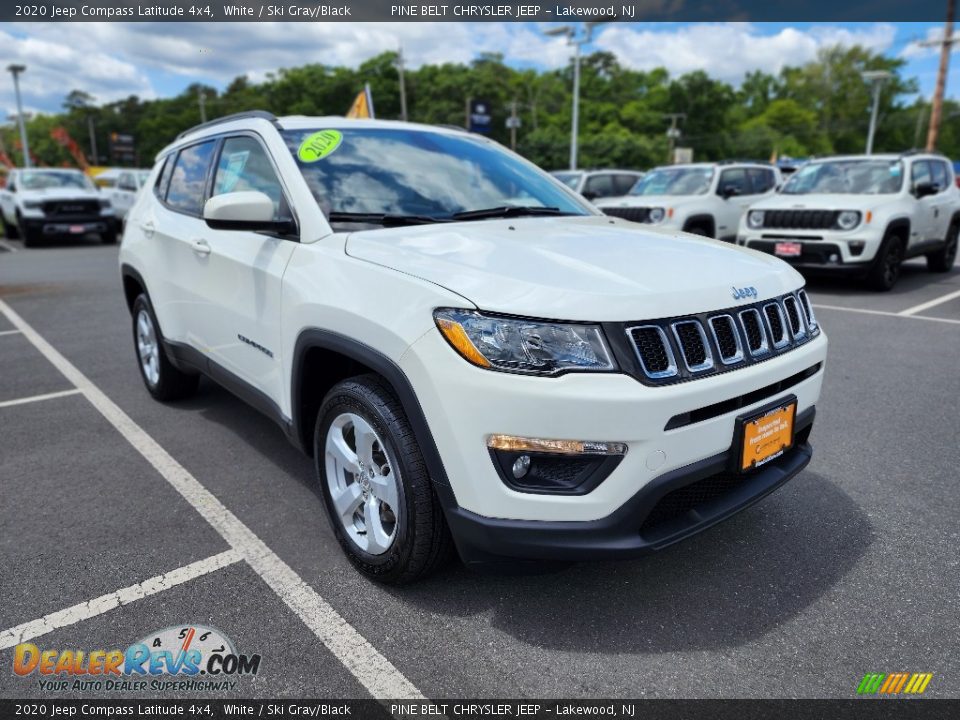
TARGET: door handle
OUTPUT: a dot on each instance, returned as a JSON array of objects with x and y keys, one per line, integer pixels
[
  {"x": 201, "y": 247},
  {"x": 148, "y": 228}
]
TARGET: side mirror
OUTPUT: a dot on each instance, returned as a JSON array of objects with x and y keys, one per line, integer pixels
[
  {"x": 924, "y": 189},
  {"x": 251, "y": 211},
  {"x": 729, "y": 191}
]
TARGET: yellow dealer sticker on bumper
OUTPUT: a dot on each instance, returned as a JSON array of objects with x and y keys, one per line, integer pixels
[{"x": 768, "y": 436}]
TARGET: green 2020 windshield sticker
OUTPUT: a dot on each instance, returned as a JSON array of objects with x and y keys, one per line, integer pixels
[{"x": 318, "y": 145}]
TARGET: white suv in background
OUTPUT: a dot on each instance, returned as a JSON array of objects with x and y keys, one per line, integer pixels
[
  {"x": 863, "y": 215},
  {"x": 43, "y": 203},
  {"x": 471, "y": 353},
  {"x": 596, "y": 184},
  {"x": 701, "y": 198}
]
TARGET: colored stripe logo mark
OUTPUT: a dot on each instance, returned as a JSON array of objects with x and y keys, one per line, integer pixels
[{"x": 894, "y": 683}]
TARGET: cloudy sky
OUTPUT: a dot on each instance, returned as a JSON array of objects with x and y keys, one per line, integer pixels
[{"x": 114, "y": 60}]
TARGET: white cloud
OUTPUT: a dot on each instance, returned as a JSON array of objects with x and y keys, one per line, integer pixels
[
  {"x": 915, "y": 50},
  {"x": 55, "y": 67},
  {"x": 728, "y": 51}
]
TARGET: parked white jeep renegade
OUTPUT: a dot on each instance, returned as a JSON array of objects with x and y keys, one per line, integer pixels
[
  {"x": 704, "y": 198},
  {"x": 469, "y": 351},
  {"x": 863, "y": 215}
]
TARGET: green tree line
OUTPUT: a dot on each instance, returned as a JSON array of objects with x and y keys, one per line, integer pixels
[{"x": 818, "y": 108}]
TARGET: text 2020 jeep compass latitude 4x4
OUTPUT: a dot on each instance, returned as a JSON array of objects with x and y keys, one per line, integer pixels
[{"x": 473, "y": 355}]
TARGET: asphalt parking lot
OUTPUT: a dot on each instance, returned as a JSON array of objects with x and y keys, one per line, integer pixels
[{"x": 850, "y": 568}]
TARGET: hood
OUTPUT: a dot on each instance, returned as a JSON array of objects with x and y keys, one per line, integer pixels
[
  {"x": 576, "y": 268},
  {"x": 822, "y": 201},
  {"x": 60, "y": 193}
]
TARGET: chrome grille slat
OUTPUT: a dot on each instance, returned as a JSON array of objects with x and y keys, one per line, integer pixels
[
  {"x": 724, "y": 331},
  {"x": 754, "y": 327},
  {"x": 776, "y": 325},
  {"x": 797, "y": 325},
  {"x": 693, "y": 344},
  {"x": 657, "y": 361}
]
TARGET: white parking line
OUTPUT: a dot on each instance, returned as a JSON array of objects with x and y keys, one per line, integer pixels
[
  {"x": 123, "y": 596},
  {"x": 4, "y": 245},
  {"x": 377, "y": 674},
  {"x": 931, "y": 303},
  {"x": 9, "y": 332},
  {"x": 887, "y": 314},
  {"x": 38, "y": 398}
]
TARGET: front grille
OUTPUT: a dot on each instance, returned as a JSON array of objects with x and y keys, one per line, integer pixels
[
  {"x": 634, "y": 214},
  {"x": 65, "y": 208},
  {"x": 683, "y": 348},
  {"x": 800, "y": 219}
]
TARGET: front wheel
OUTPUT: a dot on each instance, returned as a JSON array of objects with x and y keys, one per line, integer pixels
[
  {"x": 375, "y": 484},
  {"x": 164, "y": 381},
  {"x": 885, "y": 271},
  {"x": 942, "y": 261}
]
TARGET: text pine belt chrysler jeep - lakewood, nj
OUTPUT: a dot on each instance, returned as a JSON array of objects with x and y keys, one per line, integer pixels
[
  {"x": 861, "y": 214},
  {"x": 473, "y": 355}
]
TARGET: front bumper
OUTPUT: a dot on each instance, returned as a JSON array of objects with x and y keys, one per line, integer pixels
[
  {"x": 51, "y": 227},
  {"x": 675, "y": 506},
  {"x": 826, "y": 251}
]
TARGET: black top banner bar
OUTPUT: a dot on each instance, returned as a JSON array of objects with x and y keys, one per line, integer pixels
[{"x": 476, "y": 11}]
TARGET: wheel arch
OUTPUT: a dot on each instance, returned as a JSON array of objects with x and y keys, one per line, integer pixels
[
  {"x": 703, "y": 220},
  {"x": 321, "y": 359},
  {"x": 900, "y": 225},
  {"x": 133, "y": 285}
]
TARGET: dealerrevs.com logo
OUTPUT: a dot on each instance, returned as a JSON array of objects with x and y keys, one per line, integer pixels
[{"x": 186, "y": 657}]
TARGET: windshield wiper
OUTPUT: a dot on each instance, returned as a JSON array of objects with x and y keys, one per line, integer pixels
[
  {"x": 508, "y": 211},
  {"x": 385, "y": 219}
]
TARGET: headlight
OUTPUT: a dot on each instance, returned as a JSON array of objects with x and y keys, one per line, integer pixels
[
  {"x": 755, "y": 219},
  {"x": 656, "y": 215},
  {"x": 848, "y": 219},
  {"x": 105, "y": 205},
  {"x": 516, "y": 345},
  {"x": 32, "y": 204}
]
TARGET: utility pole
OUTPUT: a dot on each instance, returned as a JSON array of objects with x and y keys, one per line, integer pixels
[
  {"x": 577, "y": 41},
  {"x": 15, "y": 70},
  {"x": 946, "y": 45},
  {"x": 876, "y": 78},
  {"x": 93, "y": 139},
  {"x": 202, "y": 99},
  {"x": 673, "y": 133},
  {"x": 403, "y": 85}
]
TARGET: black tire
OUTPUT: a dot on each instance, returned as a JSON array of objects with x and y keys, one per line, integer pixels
[
  {"x": 109, "y": 238},
  {"x": 421, "y": 541},
  {"x": 885, "y": 270},
  {"x": 942, "y": 261},
  {"x": 9, "y": 231},
  {"x": 699, "y": 230},
  {"x": 31, "y": 238},
  {"x": 170, "y": 383}
]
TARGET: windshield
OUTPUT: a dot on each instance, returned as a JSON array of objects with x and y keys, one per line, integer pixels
[
  {"x": 570, "y": 179},
  {"x": 674, "y": 181},
  {"x": 54, "y": 179},
  {"x": 416, "y": 173},
  {"x": 854, "y": 177},
  {"x": 142, "y": 176}
]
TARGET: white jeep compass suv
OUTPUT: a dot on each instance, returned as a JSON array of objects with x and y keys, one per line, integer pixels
[
  {"x": 474, "y": 357},
  {"x": 862, "y": 215},
  {"x": 701, "y": 198}
]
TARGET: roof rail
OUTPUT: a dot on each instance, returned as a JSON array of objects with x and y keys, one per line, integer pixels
[
  {"x": 262, "y": 114},
  {"x": 743, "y": 161},
  {"x": 918, "y": 151}
]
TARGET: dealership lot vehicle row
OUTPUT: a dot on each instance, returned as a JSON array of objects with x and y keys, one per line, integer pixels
[
  {"x": 374, "y": 671},
  {"x": 435, "y": 637}
]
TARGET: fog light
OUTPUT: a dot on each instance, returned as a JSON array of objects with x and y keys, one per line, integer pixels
[
  {"x": 856, "y": 246},
  {"x": 834, "y": 258},
  {"x": 521, "y": 466}
]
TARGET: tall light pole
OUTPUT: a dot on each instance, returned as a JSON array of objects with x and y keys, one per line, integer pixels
[
  {"x": 577, "y": 41},
  {"x": 875, "y": 78},
  {"x": 15, "y": 70}
]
